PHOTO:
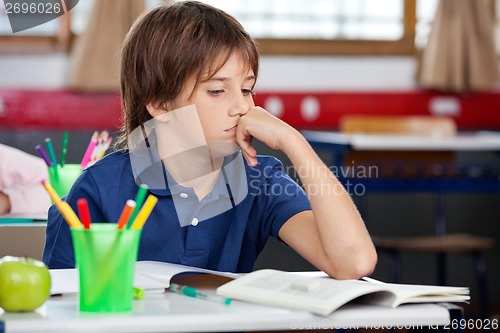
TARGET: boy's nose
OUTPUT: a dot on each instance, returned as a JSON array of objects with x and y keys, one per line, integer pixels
[{"x": 239, "y": 106}]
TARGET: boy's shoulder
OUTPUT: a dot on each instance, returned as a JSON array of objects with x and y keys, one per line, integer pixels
[
  {"x": 266, "y": 166},
  {"x": 268, "y": 161},
  {"x": 111, "y": 162}
]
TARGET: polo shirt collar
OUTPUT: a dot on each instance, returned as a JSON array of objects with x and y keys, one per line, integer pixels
[{"x": 149, "y": 169}]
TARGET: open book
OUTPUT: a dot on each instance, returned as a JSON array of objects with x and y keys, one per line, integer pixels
[
  {"x": 323, "y": 295},
  {"x": 150, "y": 276}
]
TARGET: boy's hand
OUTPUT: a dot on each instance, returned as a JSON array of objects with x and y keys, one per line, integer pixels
[
  {"x": 4, "y": 203},
  {"x": 262, "y": 125}
]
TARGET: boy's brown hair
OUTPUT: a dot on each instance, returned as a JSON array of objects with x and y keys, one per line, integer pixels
[{"x": 170, "y": 44}]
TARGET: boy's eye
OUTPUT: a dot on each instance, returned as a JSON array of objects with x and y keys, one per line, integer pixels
[
  {"x": 247, "y": 92},
  {"x": 215, "y": 92}
]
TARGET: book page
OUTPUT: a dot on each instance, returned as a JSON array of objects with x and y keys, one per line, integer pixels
[
  {"x": 319, "y": 295},
  {"x": 148, "y": 275},
  {"x": 408, "y": 293},
  {"x": 65, "y": 281},
  {"x": 323, "y": 295}
]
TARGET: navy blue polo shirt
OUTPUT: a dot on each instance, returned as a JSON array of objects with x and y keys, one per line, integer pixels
[{"x": 229, "y": 241}]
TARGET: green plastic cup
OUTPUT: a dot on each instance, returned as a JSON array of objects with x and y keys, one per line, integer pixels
[
  {"x": 62, "y": 178},
  {"x": 105, "y": 258}
]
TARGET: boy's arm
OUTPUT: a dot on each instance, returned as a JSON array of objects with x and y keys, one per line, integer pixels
[{"x": 333, "y": 236}]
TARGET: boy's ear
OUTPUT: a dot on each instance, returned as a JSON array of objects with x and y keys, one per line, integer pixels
[{"x": 156, "y": 109}]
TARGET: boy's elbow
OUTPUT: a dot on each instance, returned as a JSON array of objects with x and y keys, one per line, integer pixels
[
  {"x": 360, "y": 266},
  {"x": 366, "y": 266}
]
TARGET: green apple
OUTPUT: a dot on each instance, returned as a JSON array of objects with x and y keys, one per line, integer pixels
[{"x": 24, "y": 284}]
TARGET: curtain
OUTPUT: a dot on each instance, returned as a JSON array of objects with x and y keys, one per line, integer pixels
[
  {"x": 95, "y": 60},
  {"x": 460, "y": 55}
]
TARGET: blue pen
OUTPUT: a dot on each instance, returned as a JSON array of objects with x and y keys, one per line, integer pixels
[{"x": 193, "y": 292}]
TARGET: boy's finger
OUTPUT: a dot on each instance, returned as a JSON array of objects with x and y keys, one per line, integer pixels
[{"x": 251, "y": 160}]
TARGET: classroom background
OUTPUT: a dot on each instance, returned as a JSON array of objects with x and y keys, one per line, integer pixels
[{"x": 379, "y": 58}]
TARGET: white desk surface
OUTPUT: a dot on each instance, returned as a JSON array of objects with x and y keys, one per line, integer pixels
[
  {"x": 171, "y": 312},
  {"x": 479, "y": 141}
]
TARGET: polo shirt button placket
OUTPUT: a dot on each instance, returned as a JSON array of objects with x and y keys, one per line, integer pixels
[{"x": 194, "y": 222}]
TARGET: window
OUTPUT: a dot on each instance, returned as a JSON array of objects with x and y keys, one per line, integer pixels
[
  {"x": 319, "y": 19},
  {"x": 52, "y": 35},
  {"x": 362, "y": 27},
  {"x": 326, "y": 26},
  {"x": 426, "y": 9}
]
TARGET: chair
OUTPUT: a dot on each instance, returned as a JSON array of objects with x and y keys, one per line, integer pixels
[{"x": 433, "y": 169}]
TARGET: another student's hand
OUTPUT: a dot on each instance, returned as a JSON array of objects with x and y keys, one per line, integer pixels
[
  {"x": 4, "y": 203},
  {"x": 262, "y": 125}
]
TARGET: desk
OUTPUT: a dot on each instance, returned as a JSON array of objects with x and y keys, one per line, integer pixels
[
  {"x": 466, "y": 177},
  {"x": 452, "y": 176},
  {"x": 22, "y": 235},
  {"x": 480, "y": 141},
  {"x": 171, "y": 312},
  {"x": 22, "y": 218},
  {"x": 340, "y": 144}
]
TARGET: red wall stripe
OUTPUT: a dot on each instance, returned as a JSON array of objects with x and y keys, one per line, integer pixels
[{"x": 69, "y": 110}]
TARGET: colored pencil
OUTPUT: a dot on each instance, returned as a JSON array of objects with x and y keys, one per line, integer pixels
[
  {"x": 125, "y": 215},
  {"x": 139, "y": 200},
  {"x": 83, "y": 211},
  {"x": 106, "y": 146},
  {"x": 64, "y": 149},
  {"x": 43, "y": 155},
  {"x": 52, "y": 153},
  {"x": 145, "y": 212},
  {"x": 63, "y": 207},
  {"x": 90, "y": 148}
]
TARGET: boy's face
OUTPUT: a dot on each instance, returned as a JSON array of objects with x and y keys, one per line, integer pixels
[{"x": 221, "y": 100}]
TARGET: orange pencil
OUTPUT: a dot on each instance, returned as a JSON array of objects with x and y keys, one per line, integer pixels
[{"x": 126, "y": 212}]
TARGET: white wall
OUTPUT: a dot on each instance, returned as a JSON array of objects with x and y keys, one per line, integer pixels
[
  {"x": 38, "y": 71},
  {"x": 49, "y": 71},
  {"x": 337, "y": 73}
]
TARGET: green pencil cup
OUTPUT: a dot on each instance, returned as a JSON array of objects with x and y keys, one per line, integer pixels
[
  {"x": 62, "y": 177},
  {"x": 105, "y": 258}
]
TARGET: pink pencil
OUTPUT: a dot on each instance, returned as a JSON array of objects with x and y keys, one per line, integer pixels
[{"x": 90, "y": 149}]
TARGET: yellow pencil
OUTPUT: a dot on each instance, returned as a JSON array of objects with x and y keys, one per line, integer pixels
[
  {"x": 63, "y": 207},
  {"x": 52, "y": 193},
  {"x": 69, "y": 215},
  {"x": 144, "y": 212}
]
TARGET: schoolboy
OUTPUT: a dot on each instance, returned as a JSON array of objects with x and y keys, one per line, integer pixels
[{"x": 187, "y": 55}]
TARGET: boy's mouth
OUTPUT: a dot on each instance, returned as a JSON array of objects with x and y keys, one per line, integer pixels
[{"x": 232, "y": 129}]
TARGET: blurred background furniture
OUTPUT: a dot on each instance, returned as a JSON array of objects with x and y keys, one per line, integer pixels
[
  {"x": 25, "y": 239},
  {"x": 415, "y": 154}
]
